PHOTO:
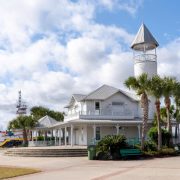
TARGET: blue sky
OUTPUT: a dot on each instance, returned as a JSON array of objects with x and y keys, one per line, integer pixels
[
  {"x": 51, "y": 49},
  {"x": 162, "y": 17}
]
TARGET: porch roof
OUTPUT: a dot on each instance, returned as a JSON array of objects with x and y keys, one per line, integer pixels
[
  {"x": 46, "y": 121},
  {"x": 105, "y": 122}
]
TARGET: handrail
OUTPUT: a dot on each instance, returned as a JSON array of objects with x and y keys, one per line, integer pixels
[
  {"x": 145, "y": 57},
  {"x": 101, "y": 113}
]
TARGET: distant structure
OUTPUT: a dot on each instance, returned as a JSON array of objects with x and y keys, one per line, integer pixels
[
  {"x": 145, "y": 58},
  {"x": 21, "y": 106}
]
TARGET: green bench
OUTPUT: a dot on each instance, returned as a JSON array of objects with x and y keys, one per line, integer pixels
[{"x": 130, "y": 152}]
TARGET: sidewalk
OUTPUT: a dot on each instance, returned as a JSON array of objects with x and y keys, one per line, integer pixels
[{"x": 83, "y": 169}]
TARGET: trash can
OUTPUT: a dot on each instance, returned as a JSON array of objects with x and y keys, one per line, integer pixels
[{"x": 91, "y": 152}]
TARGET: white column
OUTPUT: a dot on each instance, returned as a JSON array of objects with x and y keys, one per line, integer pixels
[
  {"x": 71, "y": 135},
  {"x": 117, "y": 129},
  {"x": 32, "y": 135},
  {"x": 60, "y": 137},
  {"x": 44, "y": 132},
  {"x": 55, "y": 136},
  {"x": 65, "y": 133},
  {"x": 94, "y": 134},
  {"x": 36, "y": 135},
  {"x": 51, "y": 137},
  {"x": 139, "y": 131},
  {"x": 178, "y": 134}
]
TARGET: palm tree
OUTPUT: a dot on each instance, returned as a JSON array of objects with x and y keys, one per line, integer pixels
[
  {"x": 141, "y": 85},
  {"x": 168, "y": 86},
  {"x": 176, "y": 94},
  {"x": 22, "y": 122},
  {"x": 156, "y": 90}
]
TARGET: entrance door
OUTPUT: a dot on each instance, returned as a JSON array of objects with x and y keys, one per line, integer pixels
[{"x": 76, "y": 137}]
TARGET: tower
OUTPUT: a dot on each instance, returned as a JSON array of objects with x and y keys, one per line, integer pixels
[
  {"x": 21, "y": 107},
  {"x": 145, "y": 58},
  {"x": 144, "y": 48}
]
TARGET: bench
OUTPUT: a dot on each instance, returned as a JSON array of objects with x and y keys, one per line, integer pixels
[{"x": 130, "y": 152}]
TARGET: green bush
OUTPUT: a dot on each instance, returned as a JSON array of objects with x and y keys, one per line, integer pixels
[
  {"x": 150, "y": 146},
  {"x": 153, "y": 135},
  {"x": 40, "y": 138},
  {"x": 111, "y": 144},
  {"x": 168, "y": 151}
]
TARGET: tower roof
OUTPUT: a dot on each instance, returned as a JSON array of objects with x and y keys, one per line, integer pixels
[{"x": 144, "y": 40}]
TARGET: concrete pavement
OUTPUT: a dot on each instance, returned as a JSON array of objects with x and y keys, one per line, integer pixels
[{"x": 82, "y": 169}]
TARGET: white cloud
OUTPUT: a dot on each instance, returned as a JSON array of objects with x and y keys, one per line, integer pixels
[
  {"x": 168, "y": 59},
  {"x": 51, "y": 49},
  {"x": 130, "y": 6}
]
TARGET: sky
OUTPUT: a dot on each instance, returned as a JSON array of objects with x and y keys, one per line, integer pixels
[{"x": 50, "y": 49}]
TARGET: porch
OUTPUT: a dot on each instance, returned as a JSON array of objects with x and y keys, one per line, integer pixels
[{"x": 81, "y": 134}]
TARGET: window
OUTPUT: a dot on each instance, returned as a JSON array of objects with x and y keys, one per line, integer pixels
[
  {"x": 97, "y": 105},
  {"x": 98, "y": 134}
]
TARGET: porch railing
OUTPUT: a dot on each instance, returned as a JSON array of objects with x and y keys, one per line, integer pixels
[{"x": 101, "y": 113}]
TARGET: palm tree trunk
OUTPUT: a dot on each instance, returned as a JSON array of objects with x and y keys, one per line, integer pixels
[
  {"x": 25, "y": 140},
  {"x": 168, "y": 104},
  {"x": 169, "y": 127},
  {"x": 158, "y": 124},
  {"x": 144, "y": 101}
]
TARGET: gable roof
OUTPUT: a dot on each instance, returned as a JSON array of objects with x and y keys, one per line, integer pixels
[
  {"x": 107, "y": 91},
  {"x": 46, "y": 121},
  {"x": 102, "y": 93},
  {"x": 130, "y": 95},
  {"x": 78, "y": 97},
  {"x": 144, "y": 36}
]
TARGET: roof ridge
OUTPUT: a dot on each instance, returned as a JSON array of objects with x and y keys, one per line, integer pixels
[
  {"x": 98, "y": 89},
  {"x": 78, "y": 94}
]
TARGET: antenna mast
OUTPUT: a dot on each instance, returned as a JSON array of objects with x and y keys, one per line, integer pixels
[{"x": 21, "y": 106}]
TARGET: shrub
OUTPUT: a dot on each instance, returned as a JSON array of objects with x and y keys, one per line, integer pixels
[
  {"x": 153, "y": 135},
  {"x": 168, "y": 151},
  {"x": 111, "y": 144},
  {"x": 150, "y": 146},
  {"x": 40, "y": 138}
]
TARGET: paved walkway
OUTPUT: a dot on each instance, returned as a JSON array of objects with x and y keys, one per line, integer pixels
[{"x": 82, "y": 169}]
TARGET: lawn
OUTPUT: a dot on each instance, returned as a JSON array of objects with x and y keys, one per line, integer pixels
[{"x": 8, "y": 172}]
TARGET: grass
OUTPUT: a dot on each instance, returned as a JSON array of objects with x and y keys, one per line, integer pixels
[{"x": 9, "y": 172}]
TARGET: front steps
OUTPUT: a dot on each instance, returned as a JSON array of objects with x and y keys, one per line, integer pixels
[{"x": 46, "y": 152}]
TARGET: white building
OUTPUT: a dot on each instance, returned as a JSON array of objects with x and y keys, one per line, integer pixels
[{"x": 108, "y": 110}]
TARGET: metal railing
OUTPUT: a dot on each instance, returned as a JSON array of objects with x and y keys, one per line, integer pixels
[
  {"x": 101, "y": 113},
  {"x": 145, "y": 57}
]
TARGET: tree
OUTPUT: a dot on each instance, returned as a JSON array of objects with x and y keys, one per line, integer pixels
[
  {"x": 141, "y": 86},
  {"x": 38, "y": 112},
  {"x": 176, "y": 94},
  {"x": 168, "y": 86},
  {"x": 25, "y": 123},
  {"x": 156, "y": 90},
  {"x": 164, "y": 114}
]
